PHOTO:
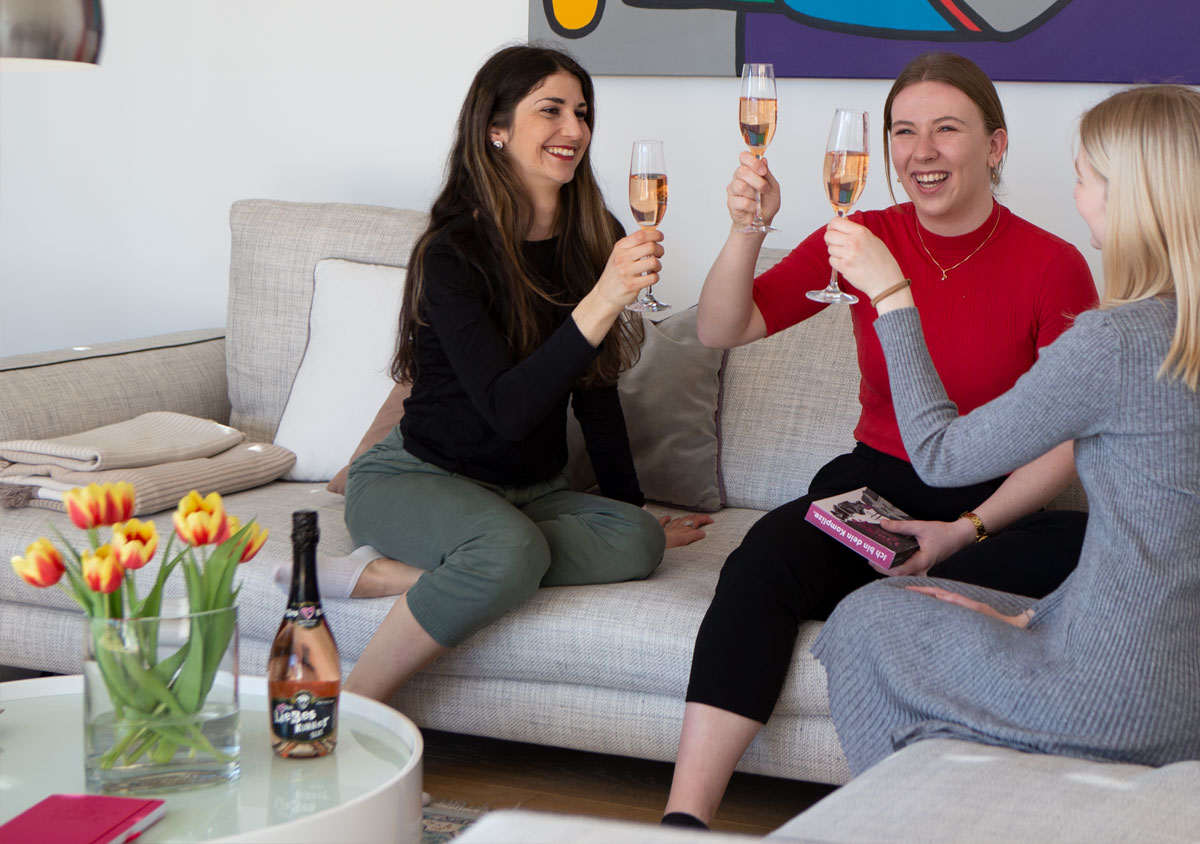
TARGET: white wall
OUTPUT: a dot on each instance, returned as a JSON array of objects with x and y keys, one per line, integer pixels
[{"x": 115, "y": 181}]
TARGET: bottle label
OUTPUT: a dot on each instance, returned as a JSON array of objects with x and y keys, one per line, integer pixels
[
  {"x": 305, "y": 615},
  {"x": 304, "y": 716}
]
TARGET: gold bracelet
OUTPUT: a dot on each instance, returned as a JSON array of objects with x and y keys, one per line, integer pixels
[
  {"x": 980, "y": 531},
  {"x": 895, "y": 288}
]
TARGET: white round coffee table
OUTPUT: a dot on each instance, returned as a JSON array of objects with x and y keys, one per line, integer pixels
[{"x": 368, "y": 789}]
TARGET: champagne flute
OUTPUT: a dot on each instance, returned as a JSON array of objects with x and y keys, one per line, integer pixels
[
  {"x": 846, "y": 159},
  {"x": 648, "y": 202},
  {"x": 757, "y": 110}
]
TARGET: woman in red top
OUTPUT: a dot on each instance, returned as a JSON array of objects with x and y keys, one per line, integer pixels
[{"x": 993, "y": 289}]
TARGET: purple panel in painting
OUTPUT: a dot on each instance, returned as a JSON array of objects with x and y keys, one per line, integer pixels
[{"x": 1087, "y": 41}]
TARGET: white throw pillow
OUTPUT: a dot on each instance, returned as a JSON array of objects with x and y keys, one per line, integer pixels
[{"x": 343, "y": 378}]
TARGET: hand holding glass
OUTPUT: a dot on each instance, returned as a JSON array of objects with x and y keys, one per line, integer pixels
[
  {"x": 846, "y": 159},
  {"x": 648, "y": 202},
  {"x": 758, "y": 108}
]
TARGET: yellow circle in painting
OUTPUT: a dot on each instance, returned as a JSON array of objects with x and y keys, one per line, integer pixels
[{"x": 574, "y": 14}]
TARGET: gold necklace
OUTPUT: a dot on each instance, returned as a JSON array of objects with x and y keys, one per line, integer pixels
[{"x": 964, "y": 260}]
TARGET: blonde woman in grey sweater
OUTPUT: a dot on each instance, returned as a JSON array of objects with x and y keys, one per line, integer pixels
[{"x": 1107, "y": 666}]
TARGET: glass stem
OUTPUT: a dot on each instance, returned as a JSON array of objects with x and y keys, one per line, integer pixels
[
  {"x": 645, "y": 295},
  {"x": 832, "y": 287},
  {"x": 758, "y": 218}
]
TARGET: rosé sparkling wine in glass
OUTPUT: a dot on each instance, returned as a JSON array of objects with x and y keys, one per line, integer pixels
[
  {"x": 648, "y": 198},
  {"x": 648, "y": 202},
  {"x": 758, "y": 111},
  {"x": 757, "y": 118},
  {"x": 844, "y": 175}
]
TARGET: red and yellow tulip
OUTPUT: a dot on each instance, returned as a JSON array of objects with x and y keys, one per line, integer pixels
[
  {"x": 95, "y": 578},
  {"x": 198, "y": 521},
  {"x": 201, "y": 521},
  {"x": 98, "y": 505},
  {"x": 134, "y": 542},
  {"x": 102, "y": 571},
  {"x": 42, "y": 564},
  {"x": 256, "y": 535}
]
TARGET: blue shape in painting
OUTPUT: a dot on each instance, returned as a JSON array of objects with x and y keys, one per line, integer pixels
[
  {"x": 910, "y": 15},
  {"x": 940, "y": 20}
]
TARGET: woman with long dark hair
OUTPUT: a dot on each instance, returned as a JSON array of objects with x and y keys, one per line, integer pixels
[{"x": 514, "y": 306}]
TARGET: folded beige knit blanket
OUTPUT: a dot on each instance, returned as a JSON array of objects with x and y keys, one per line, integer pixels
[
  {"x": 225, "y": 464},
  {"x": 146, "y": 440}
]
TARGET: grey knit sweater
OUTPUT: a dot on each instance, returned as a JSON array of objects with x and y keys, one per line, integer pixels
[{"x": 1109, "y": 667}]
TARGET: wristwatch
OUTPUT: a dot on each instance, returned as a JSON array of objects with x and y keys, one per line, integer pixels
[{"x": 980, "y": 531}]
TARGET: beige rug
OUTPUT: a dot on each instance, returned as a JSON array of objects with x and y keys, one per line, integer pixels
[{"x": 442, "y": 820}]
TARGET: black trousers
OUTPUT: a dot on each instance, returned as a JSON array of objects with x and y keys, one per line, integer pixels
[{"x": 786, "y": 571}]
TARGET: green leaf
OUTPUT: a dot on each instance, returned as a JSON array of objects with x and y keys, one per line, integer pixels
[
  {"x": 223, "y": 594},
  {"x": 167, "y": 668},
  {"x": 163, "y": 750},
  {"x": 190, "y": 683},
  {"x": 149, "y": 681},
  {"x": 79, "y": 593},
  {"x": 195, "y": 585},
  {"x": 84, "y": 596},
  {"x": 152, "y": 604},
  {"x": 217, "y": 630},
  {"x": 130, "y": 593},
  {"x": 222, "y": 565},
  {"x": 120, "y": 691},
  {"x": 86, "y": 606},
  {"x": 70, "y": 549}
]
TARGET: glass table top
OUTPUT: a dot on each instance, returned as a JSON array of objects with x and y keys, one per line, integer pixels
[{"x": 41, "y": 753}]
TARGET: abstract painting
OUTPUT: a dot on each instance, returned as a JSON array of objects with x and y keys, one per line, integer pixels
[{"x": 1028, "y": 40}]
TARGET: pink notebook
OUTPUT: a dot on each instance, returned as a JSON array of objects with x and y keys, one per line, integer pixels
[{"x": 82, "y": 819}]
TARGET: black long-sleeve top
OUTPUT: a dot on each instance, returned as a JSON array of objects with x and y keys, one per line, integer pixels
[{"x": 476, "y": 411}]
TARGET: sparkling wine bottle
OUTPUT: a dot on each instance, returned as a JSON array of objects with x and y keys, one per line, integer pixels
[{"x": 304, "y": 676}]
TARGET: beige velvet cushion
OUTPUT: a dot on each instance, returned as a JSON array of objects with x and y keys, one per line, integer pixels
[
  {"x": 670, "y": 399},
  {"x": 388, "y": 417}
]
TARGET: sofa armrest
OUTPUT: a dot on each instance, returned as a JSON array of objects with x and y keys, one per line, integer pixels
[{"x": 51, "y": 394}]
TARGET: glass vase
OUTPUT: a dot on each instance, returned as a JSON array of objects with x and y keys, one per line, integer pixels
[{"x": 160, "y": 707}]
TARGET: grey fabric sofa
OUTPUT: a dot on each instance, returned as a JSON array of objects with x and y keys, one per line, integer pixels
[
  {"x": 599, "y": 668},
  {"x": 934, "y": 792}
]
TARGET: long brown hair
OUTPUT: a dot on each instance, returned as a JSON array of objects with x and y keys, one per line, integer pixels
[
  {"x": 484, "y": 208},
  {"x": 1144, "y": 143},
  {"x": 959, "y": 72}
]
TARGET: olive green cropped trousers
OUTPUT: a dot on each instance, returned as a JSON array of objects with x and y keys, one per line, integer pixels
[{"x": 486, "y": 548}]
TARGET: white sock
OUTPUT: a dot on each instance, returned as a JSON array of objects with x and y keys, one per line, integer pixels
[{"x": 337, "y": 575}]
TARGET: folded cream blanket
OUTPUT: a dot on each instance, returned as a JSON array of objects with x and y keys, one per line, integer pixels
[
  {"x": 155, "y": 487},
  {"x": 146, "y": 440},
  {"x": 164, "y": 455}
]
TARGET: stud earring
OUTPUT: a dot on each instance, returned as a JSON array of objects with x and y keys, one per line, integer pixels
[{"x": 498, "y": 144}]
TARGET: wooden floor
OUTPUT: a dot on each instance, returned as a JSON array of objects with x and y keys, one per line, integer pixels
[{"x": 505, "y": 775}]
